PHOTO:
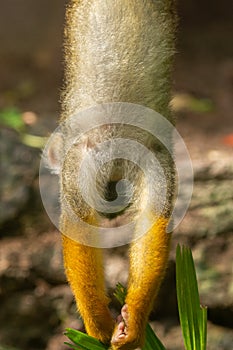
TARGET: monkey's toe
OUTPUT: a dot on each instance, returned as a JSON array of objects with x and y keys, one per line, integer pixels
[
  {"x": 124, "y": 336},
  {"x": 125, "y": 314}
]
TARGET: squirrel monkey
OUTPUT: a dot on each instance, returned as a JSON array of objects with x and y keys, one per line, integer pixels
[{"x": 117, "y": 51}]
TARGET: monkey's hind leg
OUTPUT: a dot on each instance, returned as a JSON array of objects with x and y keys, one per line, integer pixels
[
  {"x": 84, "y": 270},
  {"x": 148, "y": 261}
]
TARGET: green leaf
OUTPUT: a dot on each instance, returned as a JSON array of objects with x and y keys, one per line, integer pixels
[
  {"x": 203, "y": 105},
  {"x": 33, "y": 140},
  {"x": 84, "y": 341},
  {"x": 152, "y": 342},
  {"x": 187, "y": 102},
  {"x": 120, "y": 293},
  {"x": 11, "y": 117},
  {"x": 193, "y": 318}
]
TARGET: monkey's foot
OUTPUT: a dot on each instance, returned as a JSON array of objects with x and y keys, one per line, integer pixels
[{"x": 126, "y": 335}]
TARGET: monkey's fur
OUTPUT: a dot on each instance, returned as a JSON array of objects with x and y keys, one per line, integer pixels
[{"x": 116, "y": 51}]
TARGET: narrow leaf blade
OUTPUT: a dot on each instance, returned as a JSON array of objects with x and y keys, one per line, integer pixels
[
  {"x": 193, "y": 318},
  {"x": 83, "y": 340}
]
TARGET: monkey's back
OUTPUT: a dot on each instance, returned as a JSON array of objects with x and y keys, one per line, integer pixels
[{"x": 118, "y": 51}]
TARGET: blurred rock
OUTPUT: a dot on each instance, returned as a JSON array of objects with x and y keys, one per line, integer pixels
[
  {"x": 19, "y": 165},
  {"x": 213, "y": 261},
  {"x": 57, "y": 342},
  {"x": 23, "y": 310},
  {"x": 217, "y": 166},
  {"x": 116, "y": 269},
  {"x": 24, "y": 260},
  {"x": 46, "y": 258},
  {"x": 219, "y": 338},
  {"x": 34, "y": 293},
  {"x": 210, "y": 213}
]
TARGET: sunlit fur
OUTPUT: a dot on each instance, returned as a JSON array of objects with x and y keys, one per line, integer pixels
[{"x": 116, "y": 51}]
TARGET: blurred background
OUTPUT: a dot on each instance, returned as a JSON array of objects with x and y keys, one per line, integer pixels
[{"x": 36, "y": 304}]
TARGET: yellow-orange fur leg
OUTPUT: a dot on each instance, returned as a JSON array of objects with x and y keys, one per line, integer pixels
[
  {"x": 148, "y": 261},
  {"x": 84, "y": 270}
]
